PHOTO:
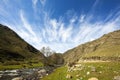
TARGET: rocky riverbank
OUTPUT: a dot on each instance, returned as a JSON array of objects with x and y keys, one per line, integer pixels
[{"x": 25, "y": 74}]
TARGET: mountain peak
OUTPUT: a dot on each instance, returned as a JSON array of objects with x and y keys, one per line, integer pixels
[{"x": 12, "y": 47}]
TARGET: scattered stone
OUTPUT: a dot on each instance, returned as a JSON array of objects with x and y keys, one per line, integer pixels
[
  {"x": 12, "y": 74},
  {"x": 93, "y": 69},
  {"x": 70, "y": 69},
  {"x": 75, "y": 69},
  {"x": 77, "y": 79},
  {"x": 81, "y": 78},
  {"x": 78, "y": 65},
  {"x": 100, "y": 72},
  {"x": 25, "y": 74},
  {"x": 77, "y": 75},
  {"x": 116, "y": 78},
  {"x": 18, "y": 78},
  {"x": 41, "y": 76},
  {"x": 88, "y": 73},
  {"x": 1, "y": 74},
  {"x": 13, "y": 71},
  {"x": 69, "y": 76},
  {"x": 93, "y": 78},
  {"x": 115, "y": 72},
  {"x": 42, "y": 71}
]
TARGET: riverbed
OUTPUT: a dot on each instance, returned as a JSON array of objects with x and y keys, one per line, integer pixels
[{"x": 25, "y": 74}]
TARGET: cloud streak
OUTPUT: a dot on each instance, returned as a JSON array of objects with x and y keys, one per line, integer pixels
[
  {"x": 26, "y": 25},
  {"x": 57, "y": 33}
]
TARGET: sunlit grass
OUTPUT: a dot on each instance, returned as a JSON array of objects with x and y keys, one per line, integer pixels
[
  {"x": 20, "y": 66},
  {"x": 58, "y": 74},
  {"x": 108, "y": 71}
]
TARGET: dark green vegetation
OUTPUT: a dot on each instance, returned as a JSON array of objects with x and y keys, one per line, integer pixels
[
  {"x": 103, "y": 71},
  {"x": 105, "y": 48},
  {"x": 56, "y": 59},
  {"x": 15, "y": 51},
  {"x": 21, "y": 66}
]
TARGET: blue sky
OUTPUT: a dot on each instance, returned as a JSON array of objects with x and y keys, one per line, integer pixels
[{"x": 60, "y": 24}]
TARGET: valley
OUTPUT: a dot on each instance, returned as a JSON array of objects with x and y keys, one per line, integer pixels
[
  {"x": 59, "y": 39},
  {"x": 95, "y": 60},
  {"x": 25, "y": 73}
]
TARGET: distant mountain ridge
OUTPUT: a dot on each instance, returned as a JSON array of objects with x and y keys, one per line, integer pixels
[
  {"x": 105, "y": 48},
  {"x": 12, "y": 47},
  {"x": 56, "y": 59}
]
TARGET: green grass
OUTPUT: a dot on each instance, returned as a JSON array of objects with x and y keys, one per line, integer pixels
[
  {"x": 58, "y": 74},
  {"x": 2, "y": 67},
  {"x": 111, "y": 51},
  {"x": 20, "y": 66},
  {"x": 108, "y": 70}
]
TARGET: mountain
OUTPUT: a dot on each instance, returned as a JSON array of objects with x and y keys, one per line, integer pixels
[
  {"x": 56, "y": 59},
  {"x": 13, "y": 48},
  {"x": 105, "y": 48}
]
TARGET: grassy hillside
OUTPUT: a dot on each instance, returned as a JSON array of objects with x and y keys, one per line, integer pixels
[
  {"x": 56, "y": 59},
  {"x": 102, "y": 71},
  {"x": 14, "y": 49},
  {"x": 104, "y": 53},
  {"x": 106, "y": 47}
]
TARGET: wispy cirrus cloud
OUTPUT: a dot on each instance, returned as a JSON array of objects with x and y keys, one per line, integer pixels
[
  {"x": 58, "y": 34},
  {"x": 43, "y": 2},
  {"x": 34, "y": 2},
  {"x": 26, "y": 25}
]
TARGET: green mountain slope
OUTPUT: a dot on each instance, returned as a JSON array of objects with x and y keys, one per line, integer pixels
[
  {"x": 56, "y": 59},
  {"x": 105, "y": 48},
  {"x": 13, "y": 48}
]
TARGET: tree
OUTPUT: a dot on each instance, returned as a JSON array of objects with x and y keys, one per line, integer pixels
[
  {"x": 42, "y": 50},
  {"x": 47, "y": 51}
]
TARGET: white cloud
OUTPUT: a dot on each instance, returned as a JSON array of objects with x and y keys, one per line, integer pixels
[
  {"x": 59, "y": 34},
  {"x": 72, "y": 20},
  {"x": 34, "y": 2},
  {"x": 27, "y": 32},
  {"x": 54, "y": 23},
  {"x": 43, "y": 2},
  {"x": 26, "y": 24},
  {"x": 82, "y": 17}
]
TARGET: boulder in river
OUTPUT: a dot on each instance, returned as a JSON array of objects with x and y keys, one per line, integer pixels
[{"x": 18, "y": 78}]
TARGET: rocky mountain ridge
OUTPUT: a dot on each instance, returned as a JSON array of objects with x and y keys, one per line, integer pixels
[
  {"x": 105, "y": 48},
  {"x": 14, "y": 48}
]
